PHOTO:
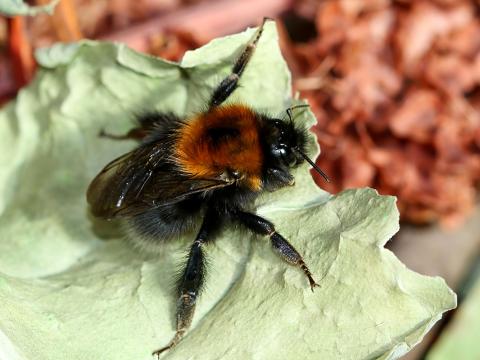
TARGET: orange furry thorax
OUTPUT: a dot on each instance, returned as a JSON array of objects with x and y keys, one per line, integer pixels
[{"x": 223, "y": 139}]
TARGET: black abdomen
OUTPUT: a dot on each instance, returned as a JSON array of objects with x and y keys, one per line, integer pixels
[{"x": 165, "y": 222}]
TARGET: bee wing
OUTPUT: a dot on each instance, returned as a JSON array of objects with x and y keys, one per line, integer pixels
[
  {"x": 165, "y": 191},
  {"x": 141, "y": 180}
]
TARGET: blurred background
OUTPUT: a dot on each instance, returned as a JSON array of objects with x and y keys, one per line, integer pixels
[{"x": 394, "y": 84}]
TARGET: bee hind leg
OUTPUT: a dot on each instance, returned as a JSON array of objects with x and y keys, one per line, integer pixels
[
  {"x": 228, "y": 85},
  {"x": 133, "y": 134},
  {"x": 283, "y": 248},
  {"x": 145, "y": 124},
  {"x": 191, "y": 282}
]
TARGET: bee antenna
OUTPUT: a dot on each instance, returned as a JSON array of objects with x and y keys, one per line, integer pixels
[
  {"x": 289, "y": 110},
  {"x": 315, "y": 166}
]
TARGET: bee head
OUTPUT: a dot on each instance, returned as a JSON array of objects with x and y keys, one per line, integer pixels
[
  {"x": 286, "y": 142},
  {"x": 283, "y": 140}
]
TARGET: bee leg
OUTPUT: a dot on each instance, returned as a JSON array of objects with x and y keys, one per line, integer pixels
[
  {"x": 133, "y": 134},
  {"x": 286, "y": 251},
  {"x": 145, "y": 124},
  {"x": 190, "y": 283},
  {"x": 230, "y": 83},
  {"x": 277, "y": 178}
]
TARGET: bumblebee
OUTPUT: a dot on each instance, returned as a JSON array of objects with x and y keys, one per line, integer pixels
[{"x": 203, "y": 172}]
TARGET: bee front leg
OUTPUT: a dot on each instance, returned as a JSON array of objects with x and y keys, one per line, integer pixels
[
  {"x": 277, "y": 178},
  {"x": 190, "y": 283},
  {"x": 283, "y": 248}
]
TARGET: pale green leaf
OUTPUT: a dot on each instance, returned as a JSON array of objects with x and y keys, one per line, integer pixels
[
  {"x": 20, "y": 7},
  {"x": 70, "y": 288}
]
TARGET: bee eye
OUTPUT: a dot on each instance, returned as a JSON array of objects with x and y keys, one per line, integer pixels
[
  {"x": 278, "y": 150},
  {"x": 285, "y": 155},
  {"x": 289, "y": 158}
]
